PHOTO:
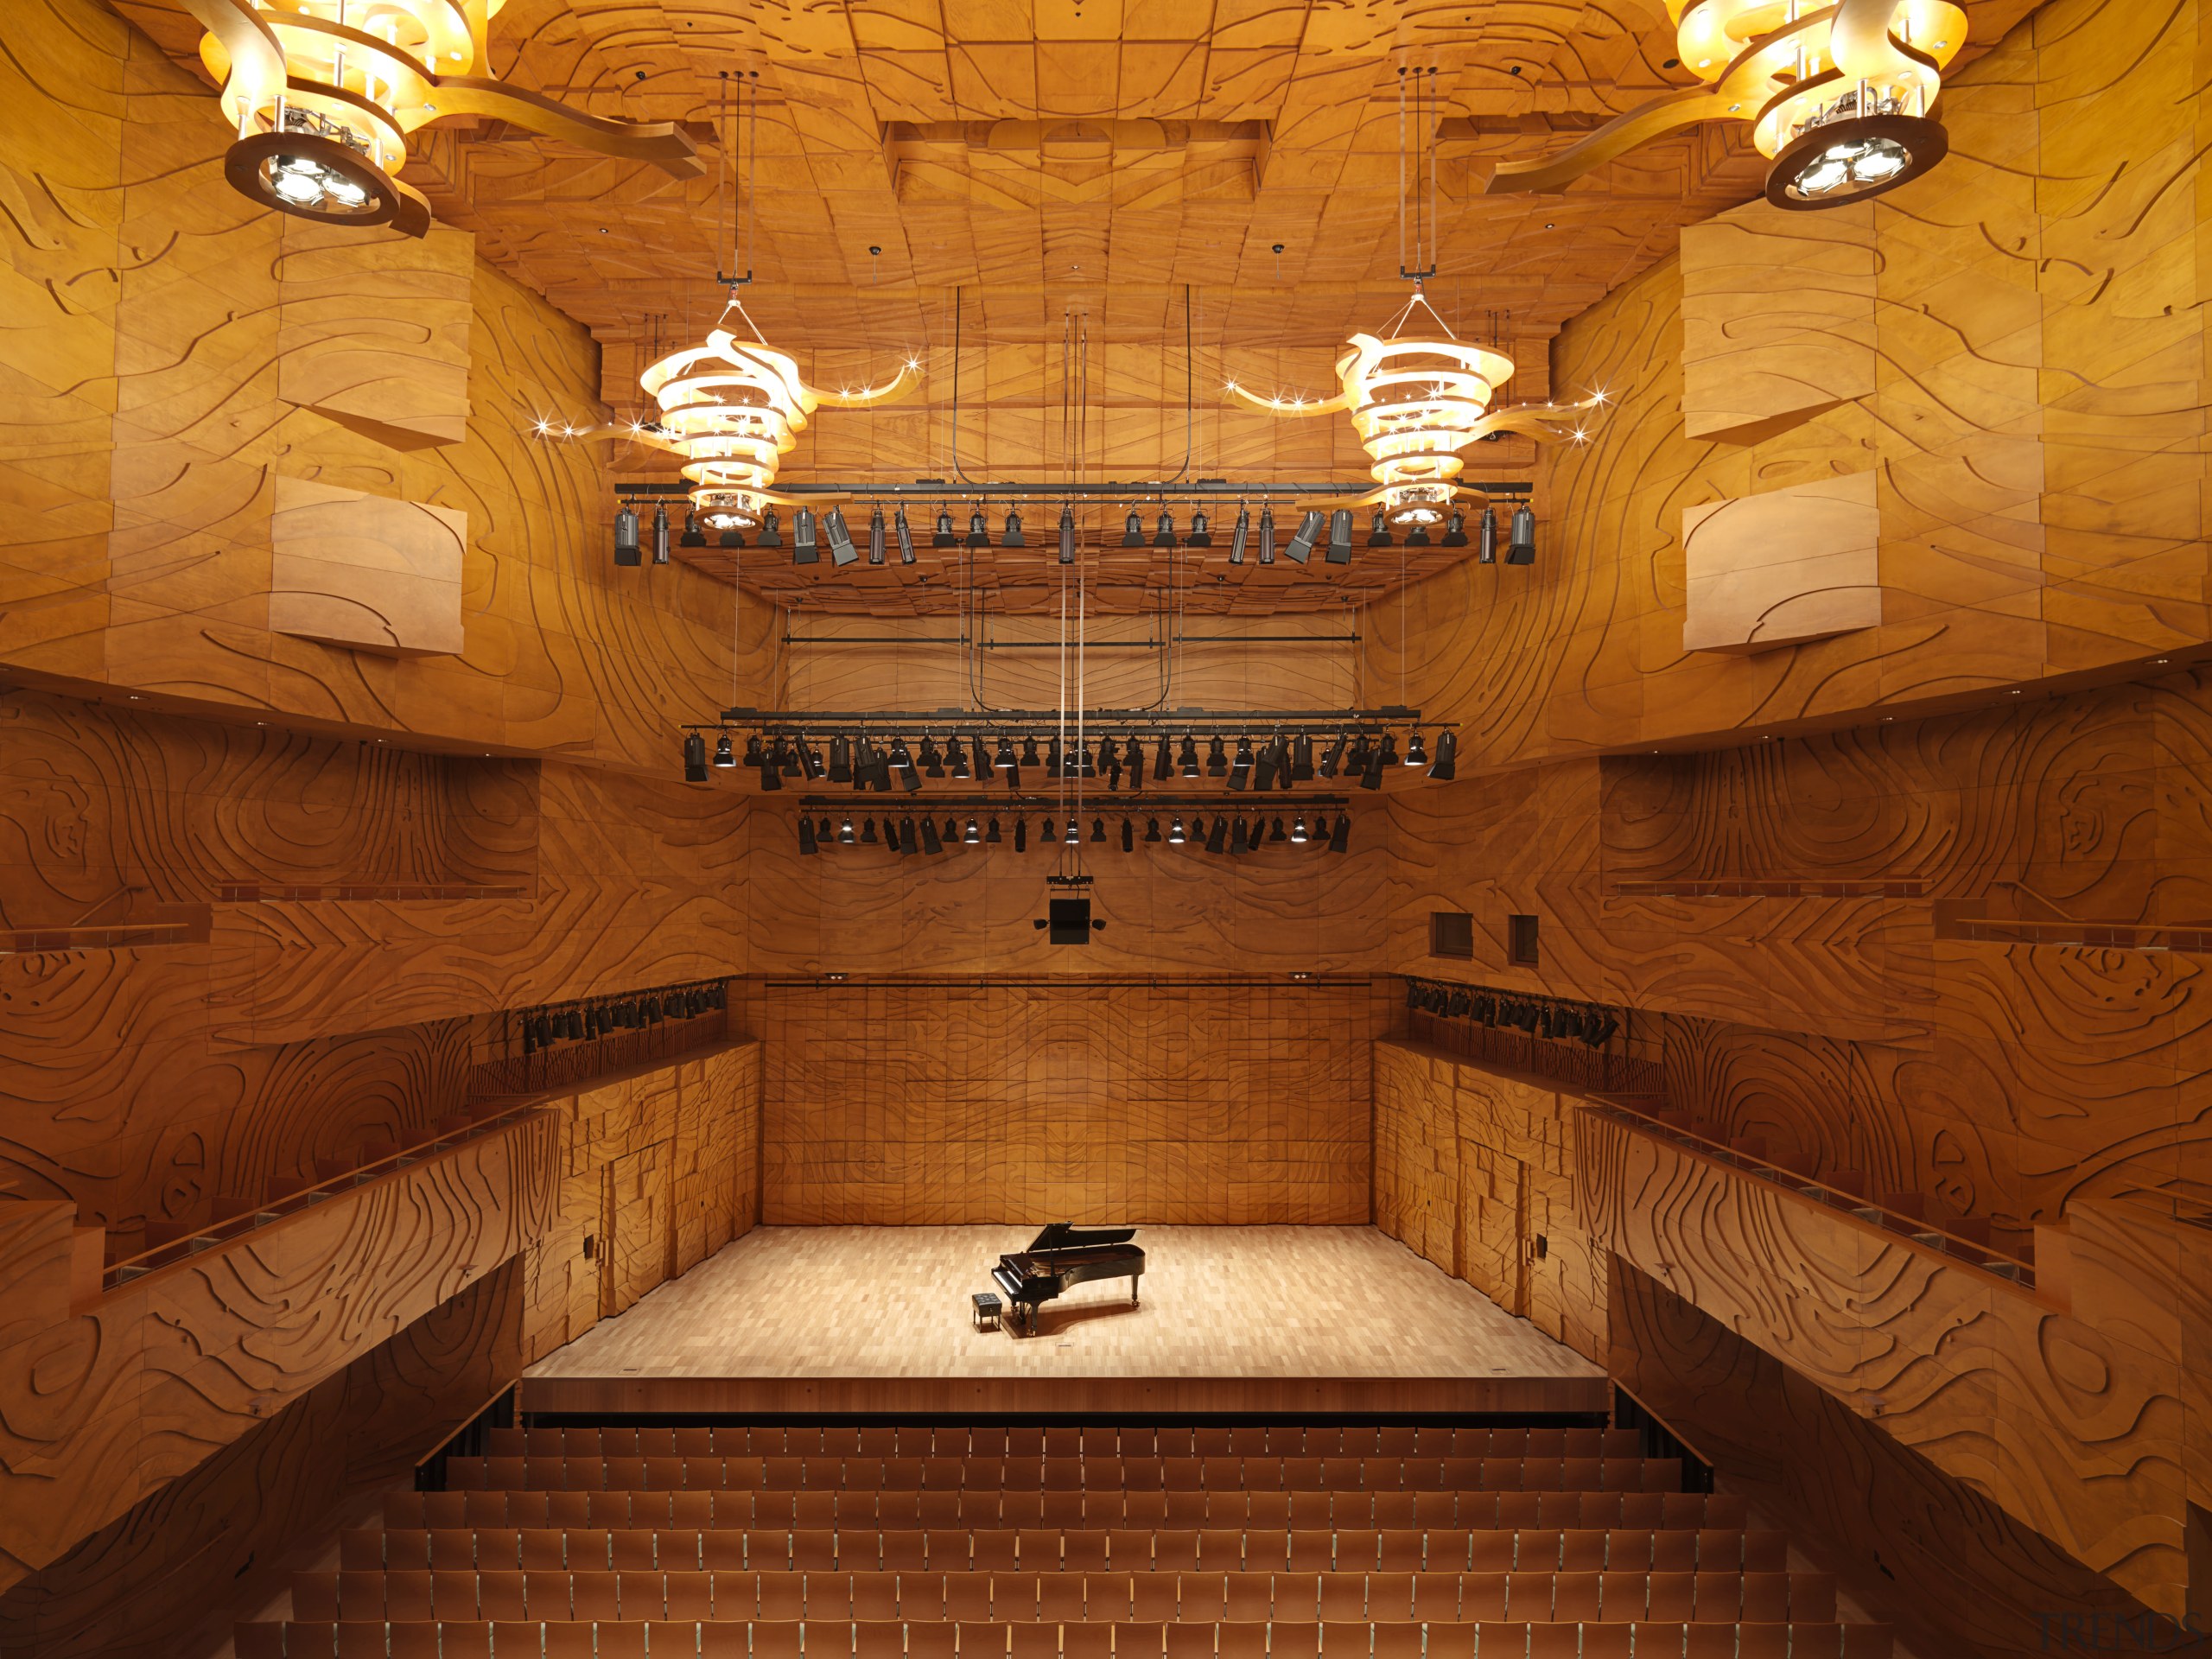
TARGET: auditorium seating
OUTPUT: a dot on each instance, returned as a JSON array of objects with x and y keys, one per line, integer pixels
[{"x": 1309, "y": 1541}]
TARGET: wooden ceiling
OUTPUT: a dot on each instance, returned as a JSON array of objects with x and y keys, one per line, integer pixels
[{"x": 986, "y": 170}]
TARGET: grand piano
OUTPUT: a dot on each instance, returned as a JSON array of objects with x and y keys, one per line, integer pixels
[{"x": 1059, "y": 1259}]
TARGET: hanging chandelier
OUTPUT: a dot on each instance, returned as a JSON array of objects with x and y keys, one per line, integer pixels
[
  {"x": 1417, "y": 399},
  {"x": 324, "y": 93},
  {"x": 734, "y": 408},
  {"x": 1838, "y": 95}
]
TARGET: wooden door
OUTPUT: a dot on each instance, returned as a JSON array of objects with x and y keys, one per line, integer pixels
[
  {"x": 633, "y": 1254},
  {"x": 1493, "y": 1221}
]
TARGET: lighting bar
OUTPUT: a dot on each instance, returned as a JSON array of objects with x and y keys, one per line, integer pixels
[{"x": 937, "y": 489}]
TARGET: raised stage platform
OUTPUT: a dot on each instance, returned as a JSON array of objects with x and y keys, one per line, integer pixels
[{"x": 863, "y": 1320}]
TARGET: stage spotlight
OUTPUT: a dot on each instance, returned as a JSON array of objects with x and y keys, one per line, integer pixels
[
  {"x": 724, "y": 756},
  {"x": 1241, "y": 774},
  {"x": 803, "y": 547},
  {"x": 625, "y": 535},
  {"x": 1029, "y": 752},
  {"x": 1300, "y": 547},
  {"x": 1334, "y": 761},
  {"x": 867, "y": 833},
  {"x": 974, "y": 835},
  {"x": 692, "y": 535},
  {"x": 1215, "y": 835},
  {"x": 841, "y": 760},
  {"x": 1067, "y": 534},
  {"x": 1298, "y": 830},
  {"x": 942, "y": 536},
  {"x": 1486, "y": 537},
  {"x": 957, "y": 757},
  {"x": 991, "y": 836},
  {"x": 1133, "y": 530},
  {"x": 875, "y": 536},
  {"x": 1455, "y": 529},
  {"x": 695, "y": 758},
  {"x": 1187, "y": 757},
  {"x": 978, "y": 534},
  {"x": 660, "y": 535},
  {"x": 1301, "y": 760},
  {"x": 1152, "y": 828},
  {"x": 1012, "y": 535},
  {"x": 841, "y": 550},
  {"x": 1175, "y": 837},
  {"x": 1098, "y": 830},
  {"x": 1340, "y": 837},
  {"x": 1074, "y": 837},
  {"x": 1201, "y": 534},
  {"x": 1378, "y": 529},
  {"x": 845, "y": 831},
  {"x": 806, "y": 844},
  {"x": 1340, "y": 536},
  {"x": 1218, "y": 760},
  {"x": 931, "y": 842},
  {"x": 1267, "y": 534},
  {"x": 1276, "y": 834},
  {"x": 905, "y": 536},
  {"x": 1520, "y": 549},
  {"x": 1128, "y": 837},
  {"x": 1163, "y": 533},
  {"x": 1239, "y": 535},
  {"x": 1417, "y": 751},
  {"x": 1003, "y": 761},
  {"x": 1021, "y": 835}
]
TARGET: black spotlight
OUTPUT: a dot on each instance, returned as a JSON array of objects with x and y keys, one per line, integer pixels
[
  {"x": 1333, "y": 761},
  {"x": 973, "y": 836},
  {"x": 806, "y": 842},
  {"x": 1486, "y": 537},
  {"x": 1217, "y": 759},
  {"x": 660, "y": 535},
  {"x": 1447, "y": 757},
  {"x": 1163, "y": 533},
  {"x": 841, "y": 760},
  {"x": 692, "y": 535},
  {"x": 1152, "y": 828},
  {"x": 931, "y": 843},
  {"x": 1187, "y": 759},
  {"x": 771, "y": 532},
  {"x": 978, "y": 536},
  {"x": 1455, "y": 529},
  {"x": 991, "y": 836},
  {"x": 1417, "y": 537},
  {"x": 1175, "y": 835},
  {"x": 1162, "y": 762},
  {"x": 1378, "y": 529},
  {"x": 1098, "y": 829},
  {"x": 957, "y": 757},
  {"x": 1301, "y": 759},
  {"x": 1067, "y": 534},
  {"x": 1265, "y": 766},
  {"x": 932, "y": 761},
  {"x": 1201, "y": 534},
  {"x": 1128, "y": 837},
  {"x": 772, "y": 767},
  {"x": 1340, "y": 837},
  {"x": 1240, "y": 534},
  {"x": 1003, "y": 761},
  {"x": 1214, "y": 837},
  {"x": 1853, "y": 155},
  {"x": 1240, "y": 839},
  {"x": 723, "y": 754},
  {"x": 1074, "y": 837},
  {"x": 944, "y": 536},
  {"x": 905, "y": 535},
  {"x": 1267, "y": 534},
  {"x": 1240, "y": 774},
  {"x": 1012, "y": 538},
  {"x": 1416, "y": 750},
  {"x": 845, "y": 836},
  {"x": 733, "y": 537},
  {"x": 875, "y": 536},
  {"x": 1133, "y": 530},
  {"x": 841, "y": 550},
  {"x": 867, "y": 833},
  {"x": 1300, "y": 546},
  {"x": 804, "y": 550},
  {"x": 1029, "y": 752},
  {"x": 1340, "y": 536},
  {"x": 1021, "y": 835},
  {"x": 695, "y": 758},
  {"x": 1278, "y": 833},
  {"x": 1522, "y": 548}
]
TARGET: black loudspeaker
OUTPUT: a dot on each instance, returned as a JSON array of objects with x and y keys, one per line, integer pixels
[{"x": 1069, "y": 921}]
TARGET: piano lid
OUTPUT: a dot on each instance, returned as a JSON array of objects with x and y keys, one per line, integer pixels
[{"x": 1065, "y": 1236}]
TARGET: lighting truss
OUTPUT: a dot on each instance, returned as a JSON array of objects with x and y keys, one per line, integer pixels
[{"x": 1553, "y": 1018}]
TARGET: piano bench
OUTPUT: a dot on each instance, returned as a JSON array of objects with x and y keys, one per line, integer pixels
[{"x": 986, "y": 1310}]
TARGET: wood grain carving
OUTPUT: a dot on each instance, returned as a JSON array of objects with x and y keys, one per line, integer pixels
[
  {"x": 101, "y": 1407},
  {"x": 1793, "y": 564},
  {"x": 364, "y": 572},
  {"x": 2062, "y": 1421}
]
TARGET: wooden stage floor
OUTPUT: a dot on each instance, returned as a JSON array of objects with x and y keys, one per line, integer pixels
[{"x": 861, "y": 1319}]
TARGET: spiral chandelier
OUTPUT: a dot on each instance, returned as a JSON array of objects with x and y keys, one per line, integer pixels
[
  {"x": 1838, "y": 95},
  {"x": 324, "y": 93},
  {"x": 1417, "y": 399},
  {"x": 733, "y": 408}
]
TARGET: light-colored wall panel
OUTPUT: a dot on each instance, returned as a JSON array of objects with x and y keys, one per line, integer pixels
[
  {"x": 1778, "y": 569},
  {"x": 365, "y": 572}
]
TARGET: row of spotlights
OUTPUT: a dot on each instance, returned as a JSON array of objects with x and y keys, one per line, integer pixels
[
  {"x": 1244, "y": 836},
  {"x": 580, "y": 1022},
  {"x": 1277, "y": 762},
  {"x": 1537, "y": 1016},
  {"x": 811, "y": 532}
]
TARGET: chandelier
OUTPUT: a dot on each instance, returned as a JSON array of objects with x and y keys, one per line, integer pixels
[
  {"x": 1838, "y": 95},
  {"x": 324, "y": 93},
  {"x": 734, "y": 408},
  {"x": 1417, "y": 399}
]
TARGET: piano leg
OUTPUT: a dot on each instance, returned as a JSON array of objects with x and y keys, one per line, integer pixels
[{"x": 1134, "y": 1279}]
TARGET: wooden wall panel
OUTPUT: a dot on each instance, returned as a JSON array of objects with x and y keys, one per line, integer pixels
[
  {"x": 1475, "y": 1169},
  {"x": 1220, "y": 1100},
  {"x": 171, "y": 1574},
  {"x": 101, "y": 1407},
  {"x": 1919, "y": 1548},
  {"x": 364, "y": 572},
  {"x": 1782, "y": 567},
  {"x": 2075, "y": 1425}
]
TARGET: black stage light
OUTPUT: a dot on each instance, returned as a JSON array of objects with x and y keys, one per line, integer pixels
[
  {"x": 905, "y": 535},
  {"x": 1128, "y": 837},
  {"x": 1187, "y": 759},
  {"x": 1163, "y": 533},
  {"x": 1340, "y": 536},
  {"x": 1217, "y": 759},
  {"x": 1298, "y": 836},
  {"x": 692, "y": 535},
  {"x": 1356, "y": 761},
  {"x": 806, "y": 838},
  {"x": 893, "y": 840},
  {"x": 660, "y": 535},
  {"x": 1417, "y": 537},
  {"x": 1240, "y": 534},
  {"x": 867, "y": 833},
  {"x": 991, "y": 836},
  {"x": 1029, "y": 752},
  {"x": 973, "y": 836},
  {"x": 875, "y": 538},
  {"x": 1175, "y": 836},
  {"x": 902, "y": 758},
  {"x": 1283, "y": 767},
  {"x": 756, "y": 756},
  {"x": 1085, "y": 766},
  {"x": 723, "y": 754},
  {"x": 772, "y": 767},
  {"x": 625, "y": 535},
  {"x": 1300, "y": 546},
  {"x": 978, "y": 534},
  {"x": 1133, "y": 530},
  {"x": 732, "y": 537},
  {"x": 1240, "y": 774},
  {"x": 695, "y": 758},
  {"x": 809, "y": 761},
  {"x": 1152, "y": 828},
  {"x": 1163, "y": 761},
  {"x": 845, "y": 830},
  {"x": 1242, "y": 839},
  {"x": 930, "y": 842},
  {"x": 1520, "y": 549},
  {"x": 787, "y": 760},
  {"x": 1021, "y": 835},
  {"x": 1277, "y": 833},
  {"x": 1052, "y": 767},
  {"x": 1074, "y": 837},
  {"x": 1098, "y": 830},
  {"x": 1486, "y": 537},
  {"x": 1067, "y": 534},
  {"x": 1214, "y": 837},
  {"x": 932, "y": 761},
  {"x": 804, "y": 550},
  {"x": 1266, "y": 765},
  {"x": 956, "y": 757},
  {"x": 772, "y": 533},
  {"x": 1371, "y": 776},
  {"x": 1455, "y": 529},
  {"x": 1003, "y": 761},
  {"x": 1417, "y": 751},
  {"x": 942, "y": 536},
  {"x": 1012, "y": 538},
  {"x": 1201, "y": 533},
  {"x": 1267, "y": 534},
  {"x": 1378, "y": 529},
  {"x": 1602, "y": 1032},
  {"x": 1334, "y": 759},
  {"x": 1340, "y": 837}
]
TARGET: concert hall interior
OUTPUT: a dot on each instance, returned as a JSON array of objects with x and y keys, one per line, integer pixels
[{"x": 1105, "y": 829}]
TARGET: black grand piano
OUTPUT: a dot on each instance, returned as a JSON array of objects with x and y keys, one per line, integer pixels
[{"x": 1059, "y": 1258}]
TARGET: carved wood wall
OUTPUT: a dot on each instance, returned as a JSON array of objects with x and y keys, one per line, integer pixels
[{"x": 1215, "y": 1101}]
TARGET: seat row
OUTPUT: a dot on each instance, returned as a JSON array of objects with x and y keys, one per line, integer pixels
[
  {"x": 950, "y": 1475},
  {"x": 1076, "y": 1597},
  {"x": 687, "y": 1639},
  {"x": 888, "y": 1553},
  {"x": 844, "y": 1440},
  {"x": 905, "y": 1511}
]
